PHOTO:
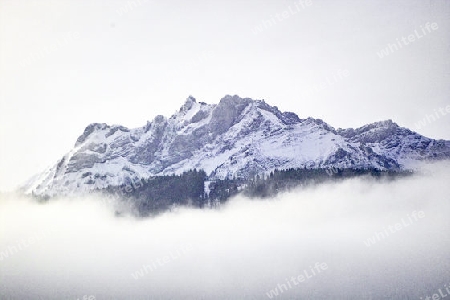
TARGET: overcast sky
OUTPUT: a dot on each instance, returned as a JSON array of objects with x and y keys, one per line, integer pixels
[{"x": 66, "y": 64}]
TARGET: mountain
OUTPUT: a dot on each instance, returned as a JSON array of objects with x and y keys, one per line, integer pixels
[{"x": 238, "y": 137}]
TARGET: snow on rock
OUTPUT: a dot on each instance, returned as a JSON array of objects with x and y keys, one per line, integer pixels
[{"x": 239, "y": 137}]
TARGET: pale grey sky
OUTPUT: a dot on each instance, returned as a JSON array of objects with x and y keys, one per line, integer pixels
[{"x": 65, "y": 64}]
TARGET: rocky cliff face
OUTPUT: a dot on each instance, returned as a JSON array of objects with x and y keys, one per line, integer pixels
[{"x": 238, "y": 137}]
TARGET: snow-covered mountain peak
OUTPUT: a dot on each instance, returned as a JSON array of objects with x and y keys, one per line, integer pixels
[
  {"x": 381, "y": 125},
  {"x": 237, "y": 137},
  {"x": 190, "y": 101},
  {"x": 374, "y": 132}
]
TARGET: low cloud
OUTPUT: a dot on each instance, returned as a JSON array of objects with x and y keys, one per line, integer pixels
[{"x": 243, "y": 250}]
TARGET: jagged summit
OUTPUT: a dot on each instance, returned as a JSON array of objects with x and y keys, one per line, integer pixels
[
  {"x": 237, "y": 137},
  {"x": 188, "y": 104}
]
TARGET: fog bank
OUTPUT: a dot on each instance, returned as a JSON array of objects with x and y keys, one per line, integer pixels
[{"x": 378, "y": 240}]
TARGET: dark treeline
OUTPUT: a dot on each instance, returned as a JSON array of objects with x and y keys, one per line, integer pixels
[
  {"x": 285, "y": 180},
  {"x": 160, "y": 193}
]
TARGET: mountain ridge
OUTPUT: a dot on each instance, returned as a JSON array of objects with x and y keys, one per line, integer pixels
[{"x": 238, "y": 137}]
